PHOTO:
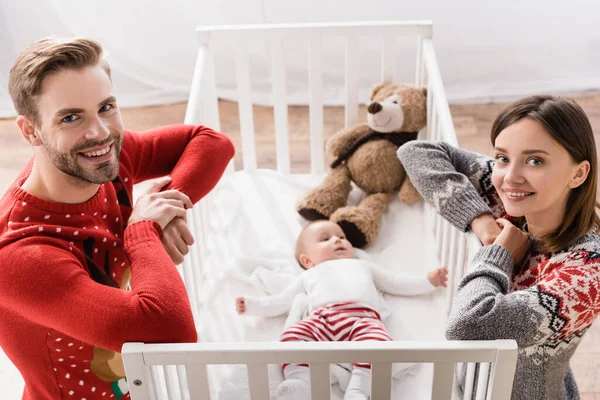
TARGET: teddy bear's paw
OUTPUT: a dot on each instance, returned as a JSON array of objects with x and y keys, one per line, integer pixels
[
  {"x": 408, "y": 193},
  {"x": 409, "y": 198},
  {"x": 318, "y": 205},
  {"x": 360, "y": 224},
  {"x": 353, "y": 233},
  {"x": 311, "y": 214}
]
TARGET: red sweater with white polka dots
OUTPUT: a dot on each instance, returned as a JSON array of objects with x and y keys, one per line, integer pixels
[{"x": 64, "y": 310}]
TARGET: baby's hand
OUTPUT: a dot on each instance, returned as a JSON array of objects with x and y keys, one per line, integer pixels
[
  {"x": 240, "y": 305},
  {"x": 438, "y": 277}
]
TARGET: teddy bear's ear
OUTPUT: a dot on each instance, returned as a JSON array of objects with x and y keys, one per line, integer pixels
[
  {"x": 377, "y": 88},
  {"x": 424, "y": 89}
]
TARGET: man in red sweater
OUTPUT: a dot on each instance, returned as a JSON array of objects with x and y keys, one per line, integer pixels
[{"x": 70, "y": 237}]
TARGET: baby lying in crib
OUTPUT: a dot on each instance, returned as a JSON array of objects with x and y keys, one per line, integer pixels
[{"x": 342, "y": 301}]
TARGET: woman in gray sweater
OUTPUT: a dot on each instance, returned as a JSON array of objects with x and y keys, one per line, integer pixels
[{"x": 533, "y": 206}]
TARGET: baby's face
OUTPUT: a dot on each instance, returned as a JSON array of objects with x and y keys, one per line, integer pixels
[{"x": 324, "y": 241}]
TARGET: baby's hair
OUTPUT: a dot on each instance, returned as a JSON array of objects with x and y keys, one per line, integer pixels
[{"x": 300, "y": 242}]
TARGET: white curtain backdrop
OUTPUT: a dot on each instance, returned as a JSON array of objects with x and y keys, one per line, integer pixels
[{"x": 487, "y": 50}]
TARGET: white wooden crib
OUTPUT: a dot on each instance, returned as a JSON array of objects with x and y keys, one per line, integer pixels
[{"x": 179, "y": 370}]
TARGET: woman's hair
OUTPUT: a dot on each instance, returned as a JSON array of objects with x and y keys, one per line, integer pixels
[
  {"x": 45, "y": 57},
  {"x": 568, "y": 125}
]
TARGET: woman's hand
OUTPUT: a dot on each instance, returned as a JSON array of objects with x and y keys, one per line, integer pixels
[
  {"x": 513, "y": 239},
  {"x": 486, "y": 228}
]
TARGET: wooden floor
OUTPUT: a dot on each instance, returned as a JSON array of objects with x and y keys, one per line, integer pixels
[{"x": 472, "y": 122}]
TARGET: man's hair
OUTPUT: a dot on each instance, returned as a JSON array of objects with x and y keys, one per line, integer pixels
[{"x": 45, "y": 57}]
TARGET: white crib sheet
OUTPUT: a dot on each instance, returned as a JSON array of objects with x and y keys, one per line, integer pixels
[{"x": 253, "y": 216}]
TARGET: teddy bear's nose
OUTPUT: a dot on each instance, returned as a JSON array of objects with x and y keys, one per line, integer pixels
[{"x": 374, "y": 108}]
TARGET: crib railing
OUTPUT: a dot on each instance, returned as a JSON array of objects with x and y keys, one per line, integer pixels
[
  {"x": 140, "y": 358},
  {"x": 454, "y": 248},
  {"x": 203, "y": 109},
  {"x": 203, "y": 102}
]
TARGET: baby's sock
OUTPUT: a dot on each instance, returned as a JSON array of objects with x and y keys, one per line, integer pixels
[
  {"x": 359, "y": 387},
  {"x": 296, "y": 385}
]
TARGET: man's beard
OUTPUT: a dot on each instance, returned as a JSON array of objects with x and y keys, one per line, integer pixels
[{"x": 68, "y": 163}]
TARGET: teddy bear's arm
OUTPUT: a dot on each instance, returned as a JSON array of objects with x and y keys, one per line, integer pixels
[{"x": 344, "y": 138}]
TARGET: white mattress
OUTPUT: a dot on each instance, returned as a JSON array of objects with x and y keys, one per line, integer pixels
[{"x": 252, "y": 219}]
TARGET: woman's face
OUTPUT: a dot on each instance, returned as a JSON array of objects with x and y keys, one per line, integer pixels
[{"x": 533, "y": 174}]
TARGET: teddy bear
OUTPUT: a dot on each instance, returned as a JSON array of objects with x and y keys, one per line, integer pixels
[{"x": 366, "y": 155}]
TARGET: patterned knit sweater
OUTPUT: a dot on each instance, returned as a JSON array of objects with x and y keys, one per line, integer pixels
[
  {"x": 64, "y": 313},
  {"x": 546, "y": 304}
]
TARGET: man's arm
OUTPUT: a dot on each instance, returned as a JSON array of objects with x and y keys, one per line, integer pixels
[
  {"x": 47, "y": 284},
  {"x": 194, "y": 156}
]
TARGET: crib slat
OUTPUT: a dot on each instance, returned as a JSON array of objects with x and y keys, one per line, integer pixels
[
  {"x": 454, "y": 233},
  {"x": 320, "y": 381},
  {"x": 213, "y": 118},
  {"x": 197, "y": 266},
  {"x": 182, "y": 381},
  {"x": 197, "y": 378},
  {"x": 381, "y": 381},
  {"x": 439, "y": 226},
  {"x": 187, "y": 269},
  {"x": 456, "y": 273},
  {"x": 446, "y": 243},
  {"x": 502, "y": 375},
  {"x": 258, "y": 378},
  {"x": 203, "y": 104},
  {"x": 424, "y": 133},
  {"x": 155, "y": 382},
  {"x": 317, "y": 146},
  {"x": 482, "y": 381},
  {"x": 170, "y": 381},
  {"x": 443, "y": 377},
  {"x": 280, "y": 109},
  {"x": 440, "y": 129},
  {"x": 429, "y": 110},
  {"x": 434, "y": 123},
  {"x": 351, "y": 106},
  {"x": 388, "y": 59},
  {"x": 469, "y": 380},
  {"x": 419, "y": 75},
  {"x": 464, "y": 251},
  {"x": 242, "y": 68},
  {"x": 202, "y": 223}
]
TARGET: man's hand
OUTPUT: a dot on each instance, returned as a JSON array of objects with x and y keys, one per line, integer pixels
[
  {"x": 514, "y": 240},
  {"x": 486, "y": 228},
  {"x": 176, "y": 239},
  {"x": 438, "y": 277},
  {"x": 160, "y": 207},
  {"x": 240, "y": 305}
]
